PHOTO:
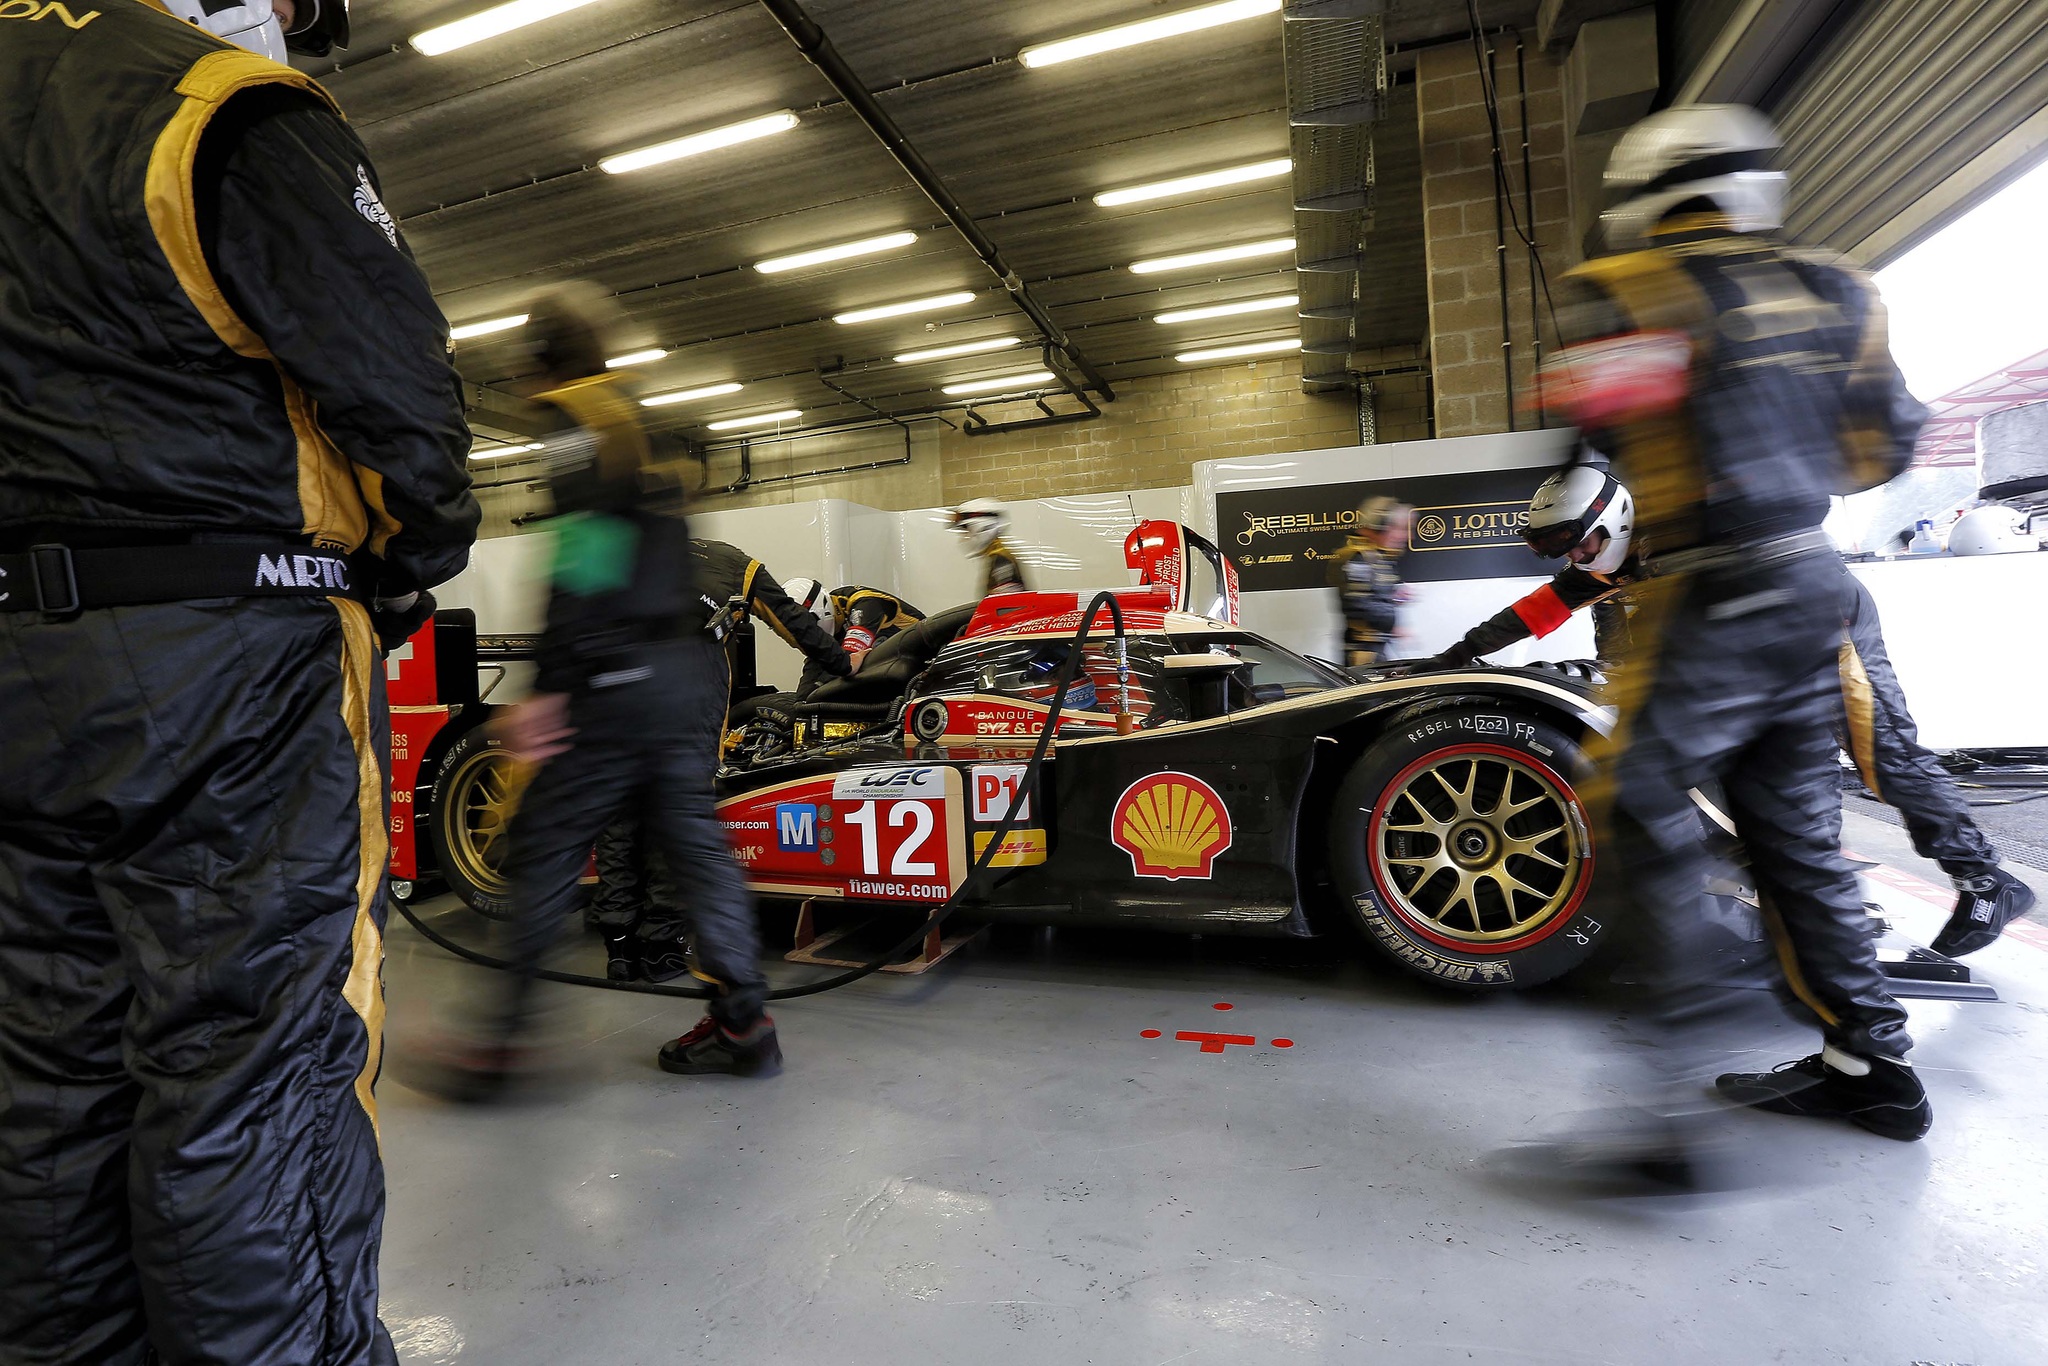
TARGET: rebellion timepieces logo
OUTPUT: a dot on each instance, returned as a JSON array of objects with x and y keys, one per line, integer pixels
[
  {"x": 1294, "y": 524},
  {"x": 1173, "y": 825}
]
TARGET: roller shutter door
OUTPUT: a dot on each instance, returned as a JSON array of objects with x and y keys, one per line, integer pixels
[{"x": 1918, "y": 110}]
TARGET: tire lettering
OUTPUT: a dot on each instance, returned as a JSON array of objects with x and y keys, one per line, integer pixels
[{"x": 1492, "y": 971}]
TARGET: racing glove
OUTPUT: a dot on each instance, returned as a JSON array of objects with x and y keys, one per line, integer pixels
[{"x": 395, "y": 619}]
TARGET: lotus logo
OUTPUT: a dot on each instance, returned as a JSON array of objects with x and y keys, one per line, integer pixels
[
  {"x": 1430, "y": 528},
  {"x": 1173, "y": 825}
]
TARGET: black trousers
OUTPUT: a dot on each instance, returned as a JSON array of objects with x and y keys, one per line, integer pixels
[
  {"x": 1896, "y": 767},
  {"x": 1734, "y": 681},
  {"x": 647, "y": 746},
  {"x": 192, "y": 857},
  {"x": 635, "y": 894}
]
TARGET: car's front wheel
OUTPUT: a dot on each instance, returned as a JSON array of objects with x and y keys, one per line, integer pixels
[
  {"x": 1459, "y": 841},
  {"x": 474, "y": 799}
]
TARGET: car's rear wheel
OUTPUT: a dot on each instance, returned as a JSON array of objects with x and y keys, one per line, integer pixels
[
  {"x": 1461, "y": 844},
  {"x": 474, "y": 798}
]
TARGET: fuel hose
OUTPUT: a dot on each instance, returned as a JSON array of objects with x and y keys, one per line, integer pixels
[{"x": 976, "y": 873}]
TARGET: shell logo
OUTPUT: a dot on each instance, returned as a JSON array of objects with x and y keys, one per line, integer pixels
[{"x": 1173, "y": 825}]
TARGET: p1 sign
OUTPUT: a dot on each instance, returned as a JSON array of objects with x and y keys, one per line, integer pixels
[{"x": 994, "y": 787}]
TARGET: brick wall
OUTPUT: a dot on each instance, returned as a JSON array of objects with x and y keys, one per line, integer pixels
[
  {"x": 1158, "y": 427},
  {"x": 1459, "y": 226}
]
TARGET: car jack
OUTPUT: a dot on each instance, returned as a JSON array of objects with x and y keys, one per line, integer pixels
[
  {"x": 1921, "y": 974},
  {"x": 811, "y": 947}
]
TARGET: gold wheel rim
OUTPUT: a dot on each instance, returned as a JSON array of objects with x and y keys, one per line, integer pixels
[
  {"x": 1480, "y": 849},
  {"x": 482, "y": 796}
]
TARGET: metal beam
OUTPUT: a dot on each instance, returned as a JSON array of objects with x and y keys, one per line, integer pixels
[{"x": 818, "y": 49}]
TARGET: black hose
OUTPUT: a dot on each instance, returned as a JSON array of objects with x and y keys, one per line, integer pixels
[{"x": 939, "y": 913}]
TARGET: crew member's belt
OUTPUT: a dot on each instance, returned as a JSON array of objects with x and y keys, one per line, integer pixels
[
  {"x": 59, "y": 580},
  {"x": 1742, "y": 554}
]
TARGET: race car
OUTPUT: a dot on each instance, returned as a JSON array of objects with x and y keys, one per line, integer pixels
[{"x": 1202, "y": 778}]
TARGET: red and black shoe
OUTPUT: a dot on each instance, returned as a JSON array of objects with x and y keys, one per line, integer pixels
[{"x": 710, "y": 1047}]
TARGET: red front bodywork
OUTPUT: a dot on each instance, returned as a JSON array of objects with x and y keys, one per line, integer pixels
[{"x": 417, "y": 716}]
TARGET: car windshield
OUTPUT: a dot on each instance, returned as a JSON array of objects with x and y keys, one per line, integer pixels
[
  {"x": 1029, "y": 669},
  {"x": 1270, "y": 673}
]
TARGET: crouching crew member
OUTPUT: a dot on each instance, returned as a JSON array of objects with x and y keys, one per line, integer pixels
[
  {"x": 1583, "y": 514},
  {"x": 229, "y": 477},
  {"x": 637, "y": 907},
  {"x": 629, "y": 702},
  {"x": 862, "y": 618},
  {"x": 1367, "y": 576},
  {"x": 982, "y": 522}
]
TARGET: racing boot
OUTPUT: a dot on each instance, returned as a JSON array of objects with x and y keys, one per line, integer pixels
[
  {"x": 621, "y": 962},
  {"x": 663, "y": 958},
  {"x": 1879, "y": 1094},
  {"x": 711, "y": 1047},
  {"x": 1985, "y": 905}
]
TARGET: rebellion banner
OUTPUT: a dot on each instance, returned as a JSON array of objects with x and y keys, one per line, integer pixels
[{"x": 1466, "y": 526}]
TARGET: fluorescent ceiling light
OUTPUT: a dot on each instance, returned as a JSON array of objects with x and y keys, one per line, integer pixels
[
  {"x": 1145, "y": 31},
  {"x": 1264, "y": 348},
  {"x": 647, "y": 357},
  {"x": 973, "y": 348},
  {"x": 757, "y": 420},
  {"x": 500, "y": 452},
  {"x": 1189, "y": 315},
  {"x": 1190, "y": 184},
  {"x": 489, "y": 23},
  {"x": 930, "y": 304},
  {"x": 710, "y": 140},
  {"x": 1189, "y": 260},
  {"x": 1001, "y": 383},
  {"x": 486, "y": 327},
  {"x": 688, "y": 395},
  {"x": 866, "y": 246}
]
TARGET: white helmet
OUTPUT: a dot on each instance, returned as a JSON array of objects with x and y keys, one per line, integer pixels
[
  {"x": 981, "y": 521},
  {"x": 1574, "y": 503},
  {"x": 318, "y": 26},
  {"x": 1994, "y": 529},
  {"x": 812, "y": 597},
  {"x": 1721, "y": 152}
]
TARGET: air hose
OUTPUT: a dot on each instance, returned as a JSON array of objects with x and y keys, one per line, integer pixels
[{"x": 969, "y": 884}]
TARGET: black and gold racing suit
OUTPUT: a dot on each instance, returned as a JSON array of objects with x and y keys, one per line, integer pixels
[
  {"x": 1368, "y": 583},
  {"x": 862, "y": 618},
  {"x": 212, "y": 337},
  {"x": 1002, "y": 571},
  {"x": 646, "y": 688},
  {"x": 1731, "y": 676},
  {"x": 1544, "y": 609}
]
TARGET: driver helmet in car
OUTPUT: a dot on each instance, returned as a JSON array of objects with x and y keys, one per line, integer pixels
[
  {"x": 1041, "y": 675},
  {"x": 1584, "y": 513},
  {"x": 982, "y": 522}
]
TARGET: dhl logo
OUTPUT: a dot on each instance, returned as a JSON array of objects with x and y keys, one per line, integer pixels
[{"x": 1173, "y": 825}]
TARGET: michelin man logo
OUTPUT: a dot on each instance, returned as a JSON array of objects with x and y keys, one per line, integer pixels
[{"x": 371, "y": 207}]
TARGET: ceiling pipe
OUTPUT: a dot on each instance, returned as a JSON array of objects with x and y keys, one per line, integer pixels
[{"x": 812, "y": 42}]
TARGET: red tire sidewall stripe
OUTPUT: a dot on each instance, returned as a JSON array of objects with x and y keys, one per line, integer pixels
[{"x": 1396, "y": 904}]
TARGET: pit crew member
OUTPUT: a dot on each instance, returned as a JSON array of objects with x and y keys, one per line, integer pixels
[
  {"x": 629, "y": 704},
  {"x": 1737, "y": 383},
  {"x": 1367, "y": 575},
  {"x": 636, "y": 906},
  {"x": 862, "y": 618},
  {"x": 982, "y": 522},
  {"x": 235, "y": 461}
]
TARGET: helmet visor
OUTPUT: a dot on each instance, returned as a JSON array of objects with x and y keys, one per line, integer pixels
[{"x": 1556, "y": 539}]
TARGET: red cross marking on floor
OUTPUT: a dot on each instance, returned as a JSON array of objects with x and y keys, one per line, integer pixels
[{"x": 1213, "y": 1043}]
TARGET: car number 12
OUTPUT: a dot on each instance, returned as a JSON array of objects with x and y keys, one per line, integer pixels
[{"x": 904, "y": 863}]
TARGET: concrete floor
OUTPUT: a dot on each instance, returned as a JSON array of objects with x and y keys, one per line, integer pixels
[{"x": 994, "y": 1165}]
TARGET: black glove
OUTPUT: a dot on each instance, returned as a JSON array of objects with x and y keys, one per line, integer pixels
[
  {"x": 1457, "y": 657},
  {"x": 395, "y": 619}
]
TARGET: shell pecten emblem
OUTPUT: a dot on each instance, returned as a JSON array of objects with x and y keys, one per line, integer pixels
[{"x": 1173, "y": 825}]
